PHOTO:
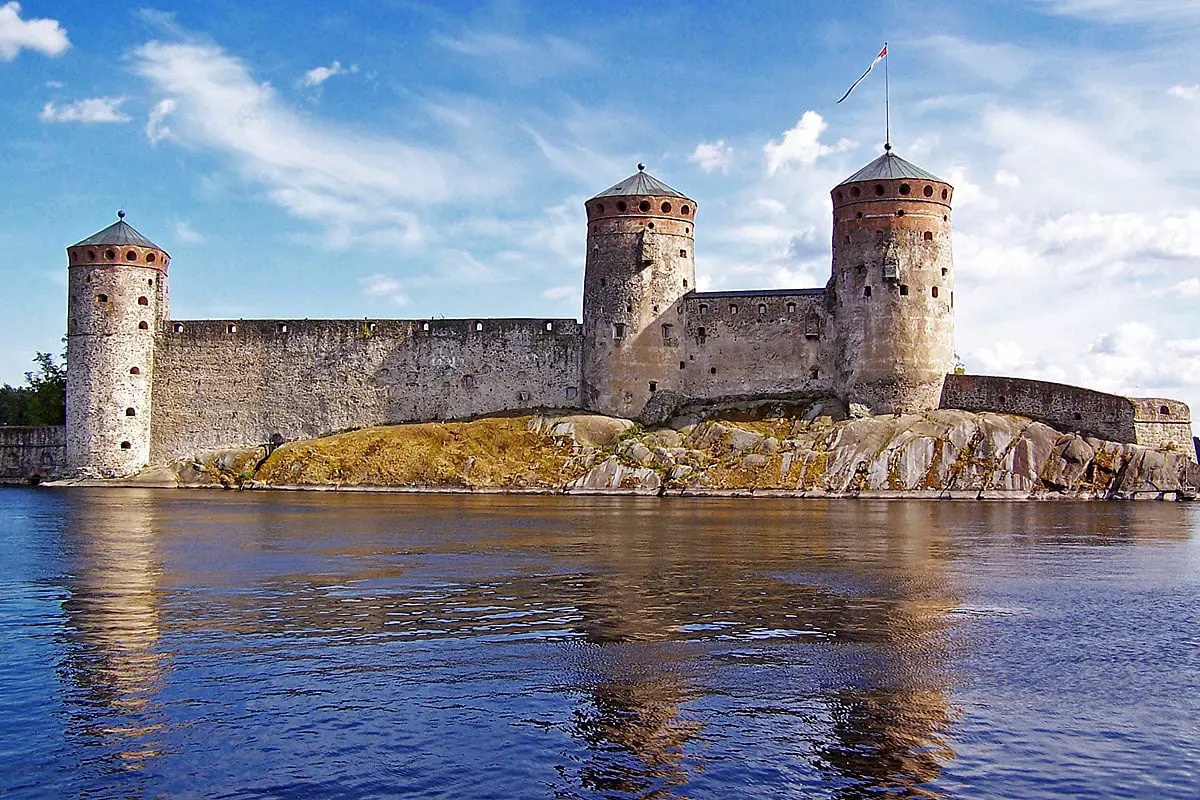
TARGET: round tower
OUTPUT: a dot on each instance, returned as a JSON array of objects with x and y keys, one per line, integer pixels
[
  {"x": 640, "y": 261},
  {"x": 117, "y": 298},
  {"x": 893, "y": 277}
]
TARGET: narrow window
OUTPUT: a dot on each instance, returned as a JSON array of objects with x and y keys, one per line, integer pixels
[
  {"x": 478, "y": 326},
  {"x": 549, "y": 327},
  {"x": 142, "y": 301},
  {"x": 683, "y": 253},
  {"x": 134, "y": 371},
  {"x": 1076, "y": 415},
  {"x": 682, "y": 364},
  {"x": 866, "y": 291},
  {"x": 103, "y": 298},
  {"x": 700, "y": 335},
  {"x": 618, "y": 330},
  {"x": 129, "y": 412},
  {"x": 903, "y": 289},
  {"x": 934, "y": 291},
  {"x": 732, "y": 308},
  {"x": 371, "y": 326},
  {"x": 1166, "y": 412},
  {"x": 654, "y": 386},
  {"x": 231, "y": 329},
  {"x": 603, "y": 283},
  {"x": 704, "y": 308},
  {"x": 945, "y": 194},
  {"x": 928, "y": 236},
  {"x": 791, "y": 307},
  {"x": 629, "y": 308},
  {"x": 667, "y": 332},
  {"x": 712, "y": 370},
  {"x": 523, "y": 397},
  {"x": 571, "y": 392},
  {"x": 945, "y": 272},
  {"x": 424, "y": 326},
  {"x": 468, "y": 381},
  {"x": 685, "y": 283},
  {"x": 846, "y": 240},
  {"x": 282, "y": 327},
  {"x": 126, "y": 445},
  {"x": 143, "y": 326},
  {"x": 762, "y": 309},
  {"x": 814, "y": 373},
  {"x": 177, "y": 328}
]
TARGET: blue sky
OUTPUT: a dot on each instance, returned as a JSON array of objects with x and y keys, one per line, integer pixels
[{"x": 409, "y": 159}]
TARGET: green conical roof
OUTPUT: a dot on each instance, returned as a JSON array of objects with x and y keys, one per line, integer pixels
[
  {"x": 120, "y": 233},
  {"x": 641, "y": 183},
  {"x": 890, "y": 166}
]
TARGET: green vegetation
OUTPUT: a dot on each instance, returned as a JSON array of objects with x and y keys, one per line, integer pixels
[{"x": 42, "y": 401}]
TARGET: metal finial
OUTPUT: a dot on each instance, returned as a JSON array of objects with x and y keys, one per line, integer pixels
[
  {"x": 887, "y": 146},
  {"x": 641, "y": 167},
  {"x": 121, "y": 214}
]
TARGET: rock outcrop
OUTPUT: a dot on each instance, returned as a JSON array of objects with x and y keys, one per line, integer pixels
[{"x": 813, "y": 450}]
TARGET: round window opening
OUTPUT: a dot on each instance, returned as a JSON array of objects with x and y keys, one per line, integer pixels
[
  {"x": 666, "y": 208},
  {"x": 621, "y": 206},
  {"x": 150, "y": 258},
  {"x": 110, "y": 255},
  {"x": 855, "y": 192},
  {"x": 599, "y": 208},
  {"x": 644, "y": 206},
  {"x": 131, "y": 256},
  {"x": 91, "y": 255},
  {"x": 905, "y": 188},
  {"x": 928, "y": 191},
  {"x": 879, "y": 189},
  {"x": 685, "y": 210},
  {"x": 945, "y": 194}
]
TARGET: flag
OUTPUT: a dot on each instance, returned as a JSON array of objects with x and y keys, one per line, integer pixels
[{"x": 875, "y": 63}]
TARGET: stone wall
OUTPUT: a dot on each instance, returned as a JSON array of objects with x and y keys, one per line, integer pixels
[
  {"x": 755, "y": 343},
  {"x": 231, "y": 383},
  {"x": 32, "y": 452},
  {"x": 1153, "y": 422}
]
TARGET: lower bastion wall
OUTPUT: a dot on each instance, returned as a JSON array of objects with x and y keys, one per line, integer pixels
[
  {"x": 755, "y": 344},
  {"x": 230, "y": 383},
  {"x": 1152, "y": 422},
  {"x": 27, "y": 452}
]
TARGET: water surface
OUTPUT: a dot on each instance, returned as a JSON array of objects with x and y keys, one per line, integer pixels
[{"x": 209, "y": 644}]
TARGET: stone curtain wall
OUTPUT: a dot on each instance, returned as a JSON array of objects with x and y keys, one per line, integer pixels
[
  {"x": 755, "y": 343},
  {"x": 1153, "y": 422},
  {"x": 1158, "y": 422},
  {"x": 29, "y": 452},
  {"x": 230, "y": 383}
]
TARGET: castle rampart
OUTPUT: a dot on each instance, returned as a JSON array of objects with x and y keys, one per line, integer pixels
[
  {"x": 32, "y": 453},
  {"x": 223, "y": 383}
]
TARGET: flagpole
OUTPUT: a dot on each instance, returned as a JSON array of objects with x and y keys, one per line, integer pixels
[{"x": 887, "y": 104}]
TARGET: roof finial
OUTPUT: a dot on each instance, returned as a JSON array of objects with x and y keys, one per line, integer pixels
[
  {"x": 887, "y": 147},
  {"x": 121, "y": 214},
  {"x": 641, "y": 167}
]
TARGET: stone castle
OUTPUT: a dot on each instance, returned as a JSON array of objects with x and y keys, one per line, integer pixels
[{"x": 143, "y": 388}]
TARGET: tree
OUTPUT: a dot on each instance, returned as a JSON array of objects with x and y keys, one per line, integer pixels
[{"x": 43, "y": 401}]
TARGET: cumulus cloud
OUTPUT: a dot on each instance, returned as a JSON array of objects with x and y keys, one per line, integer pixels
[
  {"x": 88, "y": 110},
  {"x": 711, "y": 156},
  {"x": 44, "y": 36},
  {"x": 318, "y": 75},
  {"x": 185, "y": 234},
  {"x": 802, "y": 144},
  {"x": 1185, "y": 91},
  {"x": 156, "y": 123},
  {"x": 384, "y": 287}
]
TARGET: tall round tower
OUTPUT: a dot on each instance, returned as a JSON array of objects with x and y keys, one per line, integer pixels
[
  {"x": 640, "y": 261},
  {"x": 117, "y": 298},
  {"x": 893, "y": 276}
]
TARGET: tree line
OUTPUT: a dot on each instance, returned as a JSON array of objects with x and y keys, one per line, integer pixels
[{"x": 43, "y": 398}]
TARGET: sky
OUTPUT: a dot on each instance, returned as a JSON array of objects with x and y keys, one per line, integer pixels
[{"x": 426, "y": 159}]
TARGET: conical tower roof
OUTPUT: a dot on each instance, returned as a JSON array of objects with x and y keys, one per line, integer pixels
[
  {"x": 641, "y": 183},
  {"x": 120, "y": 233},
  {"x": 890, "y": 166}
]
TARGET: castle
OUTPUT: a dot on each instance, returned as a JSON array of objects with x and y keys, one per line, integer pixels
[{"x": 143, "y": 388}]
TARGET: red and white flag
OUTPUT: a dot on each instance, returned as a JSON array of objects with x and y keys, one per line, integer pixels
[{"x": 875, "y": 63}]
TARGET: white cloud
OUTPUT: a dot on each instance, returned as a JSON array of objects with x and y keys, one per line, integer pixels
[
  {"x": 711, "y": 156},
  {"x": 359, "y": 188},
  {"x": 185, "y": 234},
  {"x": 156, "y": 127},
  {"x": 1189, "y": 287},
  {"x": 1007, "y": 179},
  {"x": 801, "y": 144},
  {"x": 1119, "y": 12},
  {"x": 88, "y": 110},
  {"x": 318, "y": 75},
  {"x": 384, "y": 287},
  {"x": 566, "y": 295},
  {"x": 45, "y": 36},
  {"x": 522, "y": 59},
  {"x": 1185, "y": 91}
]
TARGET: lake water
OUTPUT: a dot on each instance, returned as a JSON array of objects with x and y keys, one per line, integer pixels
[{"x": 221, "y": 644}]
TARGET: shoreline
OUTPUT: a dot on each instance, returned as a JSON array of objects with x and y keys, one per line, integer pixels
[{"x": 744, "y": 493}]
